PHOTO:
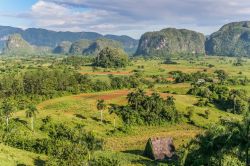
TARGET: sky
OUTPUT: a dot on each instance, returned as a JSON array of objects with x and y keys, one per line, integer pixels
[{"x": 123, "y": 17}]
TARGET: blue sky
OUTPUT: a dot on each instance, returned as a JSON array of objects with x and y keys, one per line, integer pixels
[
  {"x": 16, "y": 5},
  {"x": 123, "y": 17}
]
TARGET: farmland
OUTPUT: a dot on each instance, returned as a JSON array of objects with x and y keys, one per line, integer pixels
[{"x": 124, "y": 142}]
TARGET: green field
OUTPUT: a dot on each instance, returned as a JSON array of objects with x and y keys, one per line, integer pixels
[{"x": 129, "y": 146}]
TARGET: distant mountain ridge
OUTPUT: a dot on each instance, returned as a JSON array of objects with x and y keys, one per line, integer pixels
[
  {"x": 232, "y": 39},
  {"x": 43, "y": 37},
  {"x": 86, "y": 47},
  {"x": 17, "y": 46}
]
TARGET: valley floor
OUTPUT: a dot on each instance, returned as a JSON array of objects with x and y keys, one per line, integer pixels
[{"x": 81, "y": 109}]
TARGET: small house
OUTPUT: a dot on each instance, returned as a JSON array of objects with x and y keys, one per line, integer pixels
[{"x": 159, "y": 148}]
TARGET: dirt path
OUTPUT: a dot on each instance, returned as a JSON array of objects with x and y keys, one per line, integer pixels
[
  {"x": 107, "y": 73},
  {"x": 109, "y": 95}
]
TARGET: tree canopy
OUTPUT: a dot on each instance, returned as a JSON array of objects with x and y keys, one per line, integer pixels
[{"x": 111, "y": 57}]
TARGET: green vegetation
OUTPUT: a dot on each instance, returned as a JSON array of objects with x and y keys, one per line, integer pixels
[
  {"x": 78, "y": 47},
  {"x": 64, "y": 111},
  {"x": 143, "y": 109},
  {"x": 16, "y": 45},
  {"x": 226, "y": 144},
  {"x": 110, "y": 57},
  {"x": 60, "y": 41},
  {"x": 101, "y": 109},
  {"x": 62, "y": 48},
  {"x": 231, "y": 40},
  {"x": 171, "y": 41},
  {"x": 100, "y": 44}
]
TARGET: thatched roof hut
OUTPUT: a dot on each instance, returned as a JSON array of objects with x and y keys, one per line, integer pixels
[{"x": 159, "y": 148}]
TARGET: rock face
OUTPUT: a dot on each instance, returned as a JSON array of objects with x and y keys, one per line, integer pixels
[
  {"x": 95, "y": 47},
  {"x": 62, "y": 48},
  {"x": 232, "y": 39},
  {"x": 78, "y": 47},
  {"x": 171, "y": 41},
  {"x": 17, "y": 45}
]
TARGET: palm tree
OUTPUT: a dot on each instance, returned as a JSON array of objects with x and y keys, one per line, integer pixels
[
  {"x": 136, "y": 98},
  {"x": 31, "y": 113},
  {"x": 170, "y": 100},
  {"x": 112, "y": 109},
  {"x": 133, "y": 99},
  {"x": 233, "y": 95},
  {"x": 7, "y": 110},
  {"x": 101, "y": 106}
]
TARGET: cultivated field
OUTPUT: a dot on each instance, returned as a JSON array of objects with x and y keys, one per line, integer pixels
[{"x": 129, "y": 145}]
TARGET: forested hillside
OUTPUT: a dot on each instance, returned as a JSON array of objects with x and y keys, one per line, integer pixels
[
  {"x": 232, "y": 39},
  {"x": 171, "y": 41}
]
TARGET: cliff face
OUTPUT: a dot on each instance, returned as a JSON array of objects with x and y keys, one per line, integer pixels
[
  {"x": 95, "y": 47},
  {"x": 78, "y": 47},
  {"x": 171, "y": 41},
  {"x": 62, "y": 48},
  {"x": 17, "y": 45},
  {"x": 232, "y": 39}
]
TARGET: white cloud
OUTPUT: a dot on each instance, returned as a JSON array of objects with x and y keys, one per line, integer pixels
[
  {"x": 52, "y": 15},
  {"x": 134, "y": 17}
]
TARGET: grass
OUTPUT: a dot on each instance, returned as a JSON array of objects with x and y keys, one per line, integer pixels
[
  {"x": 81, "y": 109},
  {"x": 11, "y": 157}
]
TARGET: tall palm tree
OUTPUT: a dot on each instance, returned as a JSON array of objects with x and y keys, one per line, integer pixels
[
  {"x": 112, "y": 109},
  {"x": 233, "y": 95},
  {"x": 101, "y": 106},
  {"x": 7, "y": 110},
  {"x": 31, "y": 113},
  {"x": 136, "y": 98}
]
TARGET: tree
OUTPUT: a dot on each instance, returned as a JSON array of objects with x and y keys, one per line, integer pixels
[
  {"x": 207, "y": 113},
  {"x": 111, "y": 57},
  {"x": 241, "y": 136},
  {"x": 101, "y": 106},
  {"x": 112, "y": 109},
  {"x": 146, "y": 109},
  {"x": 190, "y": 113},
  {"x": 135, "y": 98},
  {"x": 230, "y": 138},
  {"x": 233, "y": 95},
  {"x": 31, "y": 113},
  {"x": 170, "y": 100},
  {"x": 222, "y": 75},
  {"x": 7, "y": 110}
]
